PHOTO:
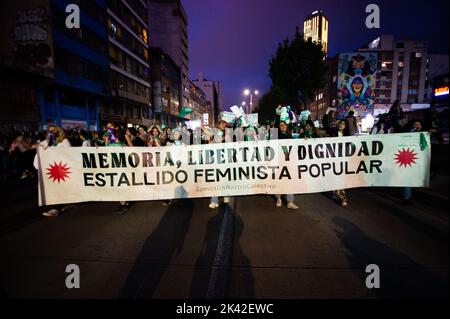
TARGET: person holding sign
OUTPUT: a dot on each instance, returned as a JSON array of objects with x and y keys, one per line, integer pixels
[
  {"x": 341, "y": 130},
  {"x": 56, "y": 137}
]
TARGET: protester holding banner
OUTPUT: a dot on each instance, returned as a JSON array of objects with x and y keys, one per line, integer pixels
[
  {"x": 219, "y": 137},
  {"x": 119, "y": 140},
  {"x": 340, "y": 194},
  {"x": 284, "y": 133},
  {"x": 412, "y": 126},
  {"x": 56, "y": 137},
  {"x": 177, "y": 141}
]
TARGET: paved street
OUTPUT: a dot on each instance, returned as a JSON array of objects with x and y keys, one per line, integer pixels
[{"x": 246, "y": 249}]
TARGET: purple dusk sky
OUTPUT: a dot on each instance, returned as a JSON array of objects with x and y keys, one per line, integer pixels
[{"x": 233, "y": 40}]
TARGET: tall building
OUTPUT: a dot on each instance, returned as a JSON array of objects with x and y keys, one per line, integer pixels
[
  {"x": 80, "y": 86},
  {"x": 166, "y": 84},
  {"x": 326, "y": 96},
  {"x": 168, "y": 25},
  {"x": 197, "y": 102},
  {"x": 129, "y": 73},
  {"x": 437, "y": 70},
  {"x": 26, "y": 61},
  {"x": 315, "y": 26},
  {"x": 213, "y": 94},
  {"x": 402, "y": 71}
]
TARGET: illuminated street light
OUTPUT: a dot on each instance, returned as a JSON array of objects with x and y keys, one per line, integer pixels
[{"x": 248, "y": 92}]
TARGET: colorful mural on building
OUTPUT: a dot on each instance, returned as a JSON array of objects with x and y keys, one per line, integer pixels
[
  {"x": 356, "y": 84},
  {"x": 26, "y": 37}
]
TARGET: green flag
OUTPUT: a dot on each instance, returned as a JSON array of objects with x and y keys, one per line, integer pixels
[
  {"x": 423, "y": 142},
  {"x": 185, "y": 111}
]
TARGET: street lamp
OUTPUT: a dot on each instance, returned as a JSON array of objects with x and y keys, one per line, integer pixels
[{"x": 247, "y": 92}]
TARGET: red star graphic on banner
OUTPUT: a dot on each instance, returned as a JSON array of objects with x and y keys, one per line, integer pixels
[
  {"x": 58, "y": 172},
  {"x": 405, "y": 157}
]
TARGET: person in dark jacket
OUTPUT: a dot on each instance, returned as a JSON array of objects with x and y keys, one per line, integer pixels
[
  {"x": 431, "y": 123},
  {"x": 352, "y": 123},
  {"x": 396, "y": 115}
]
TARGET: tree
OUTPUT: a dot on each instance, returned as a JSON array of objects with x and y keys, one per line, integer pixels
[
  {"x": 267, "y": 105},
  {"x": 297, "y": 70}
]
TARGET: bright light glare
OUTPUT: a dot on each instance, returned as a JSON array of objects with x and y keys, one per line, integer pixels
[
  {"x": 367, "y": 122},
  {"x": 246, "y": 92}
]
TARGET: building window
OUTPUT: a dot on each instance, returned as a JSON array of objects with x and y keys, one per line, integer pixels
[
  {"x": 418, "y": 54},
  {"x": 420, "y": 44},
  {"x": 400, "y": 45}
]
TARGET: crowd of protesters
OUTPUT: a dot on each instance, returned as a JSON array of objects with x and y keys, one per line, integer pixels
[{"x": 18, "y": 149}]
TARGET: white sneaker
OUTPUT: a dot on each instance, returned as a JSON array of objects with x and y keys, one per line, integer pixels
[
  {"x": 344, "y": 204},
  {"x": 292, "y": 205},
  {"x": 278, "y": 203},
  {"x": 213, "y": 205},
  {"x": 226, "y": 200},
  {"x": 51, "y": 213}
]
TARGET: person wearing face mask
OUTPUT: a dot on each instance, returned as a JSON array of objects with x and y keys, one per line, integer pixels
[
  {"x": 219, "y": 137},
  {"x": 56, "y": 137},
  {"x": 110, "y": 137}
]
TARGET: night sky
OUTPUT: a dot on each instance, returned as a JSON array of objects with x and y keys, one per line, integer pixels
[{"x": 232, "y": 40}]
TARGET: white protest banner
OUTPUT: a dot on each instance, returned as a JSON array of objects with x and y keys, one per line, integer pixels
[
  {"x": 238, "y": 111},
  {"x": 284, "y": 116},
  {"x": 243, "y": 121},
  {"x": 193, "y": 124},
  {"x": 205, "y": 118},
  {"x": 228, "y": 117},
  {"x": 81, "y": 174},
  {"x": 252, "y": 119},
  {"x": 304, "y": 115}
]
